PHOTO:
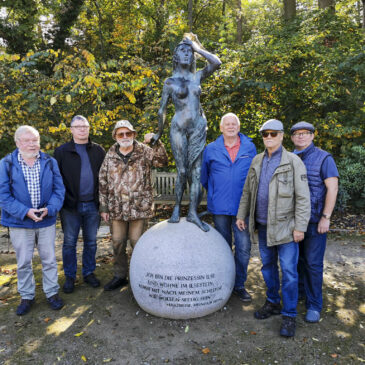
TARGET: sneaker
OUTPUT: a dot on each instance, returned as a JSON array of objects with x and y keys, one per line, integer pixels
[
  {"x": 115, "y": 283},
  {"x": 242, "y": 294},
  {"x": 69, "y": 285},
  {"x": 287, "y": 328},
  {"x": 267, "y": 310},
  {"x": 312, "y": 316},
  {"x": 92, "y": 280},
  {"x": 24, "y": 306},
  {"x": 55, "y": 302}
]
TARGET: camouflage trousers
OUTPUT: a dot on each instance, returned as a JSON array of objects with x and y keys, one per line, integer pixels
[{"x": 122, "y": 231}]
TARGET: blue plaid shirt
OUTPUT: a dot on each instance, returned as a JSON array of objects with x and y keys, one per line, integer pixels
[{"x": 32, "y": 178}]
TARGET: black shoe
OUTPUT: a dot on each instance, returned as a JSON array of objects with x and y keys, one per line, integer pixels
[
  {"x": 55, "y": 302},
  {"x": 115, "y": 283},
  {"x": 287, "y": 328},
  {"x": 242, "y": 294},
  {"x": 267, "y": 310},
  {"x": 24, "y": 306},
  {"x": 69, "y": 285},
  {"x": 92, "y": 280}
]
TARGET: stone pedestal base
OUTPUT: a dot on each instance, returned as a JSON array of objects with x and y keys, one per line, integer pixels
[{"x": 178, "y": 271}]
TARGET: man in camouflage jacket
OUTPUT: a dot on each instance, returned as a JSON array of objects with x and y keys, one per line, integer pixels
[{"x": 125, "y": 192}]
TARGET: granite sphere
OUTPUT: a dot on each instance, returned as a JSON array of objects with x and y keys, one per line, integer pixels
[{"x": 178, "y": 271}]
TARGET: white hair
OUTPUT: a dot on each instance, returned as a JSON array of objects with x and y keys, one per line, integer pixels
[
  {"x": 25, "y": 129},
  {"x": 230, "y": 115}
]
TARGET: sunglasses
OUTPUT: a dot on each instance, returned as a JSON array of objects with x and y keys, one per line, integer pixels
[
  {"x": 267, "y": 134},
  {"x": 124, "y": 134}
]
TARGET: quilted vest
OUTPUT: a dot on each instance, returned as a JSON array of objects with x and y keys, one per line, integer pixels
[{"x": 313, "y": 158}]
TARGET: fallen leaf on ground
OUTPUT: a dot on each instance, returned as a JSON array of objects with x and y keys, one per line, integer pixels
[
  {"x": 315, "y": 339},
  {"x": 186, "y": 329},
  {"x": 47, "y": 319},
  {"x": 78, "y": 334},
  {"x": 83, "y": 358},
  {"x": 107, "y": 360},
  {"x": 253, "y": 333},
  {"x": 334, "y": 355},
  {"x": 205, "y": 350}
]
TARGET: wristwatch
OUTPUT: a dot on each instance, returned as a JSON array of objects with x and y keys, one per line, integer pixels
[{"x": 327, "y": 216}]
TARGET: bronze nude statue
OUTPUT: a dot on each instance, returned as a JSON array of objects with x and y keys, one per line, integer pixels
[{"x": 188, "y": 125}]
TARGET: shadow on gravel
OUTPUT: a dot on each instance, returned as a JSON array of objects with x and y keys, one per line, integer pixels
[{"x": 97, "y": 327}]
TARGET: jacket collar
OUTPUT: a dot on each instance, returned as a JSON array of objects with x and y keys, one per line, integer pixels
[
  {"x": 71, "y": 145},
  {"x": 284, "y": 162},
  {"x": 137, "y": 150},
  {"x": 244, "y": 140},
  {"x": 306, "y": 151}
]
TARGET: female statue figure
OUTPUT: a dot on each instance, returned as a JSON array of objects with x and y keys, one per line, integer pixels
[{"x": 188, "y": 125}]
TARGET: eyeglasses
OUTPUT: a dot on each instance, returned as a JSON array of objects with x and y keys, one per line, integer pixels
[
  {"x": 124, "y": 134},
  {"x": 301, "y": 134},
  {"x": 267, "y": 134},
  {"x": 80, "y": 126}
]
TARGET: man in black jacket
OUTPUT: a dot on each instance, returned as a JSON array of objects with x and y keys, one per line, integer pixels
[{"x": 79, "y": 162}]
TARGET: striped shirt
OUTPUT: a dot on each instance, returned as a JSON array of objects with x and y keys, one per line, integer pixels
[{"x": 32, "y": 178}]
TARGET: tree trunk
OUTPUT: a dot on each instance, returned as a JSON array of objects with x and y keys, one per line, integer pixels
[
  {"x": 239, "y": 18},
  {"x": 289, "y": 9},
  {"x": 363, "y": 14},
  {"x": 190, "y": 15},
  {"x": 224, "y": 14},
  {"x": 324, "y": 4}
]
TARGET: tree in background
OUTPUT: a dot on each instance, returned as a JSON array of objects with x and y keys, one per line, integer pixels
[{"x": 107, "y": 60}]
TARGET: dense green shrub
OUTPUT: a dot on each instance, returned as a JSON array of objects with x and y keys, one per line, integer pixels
[{"x": 352, "y": 179}]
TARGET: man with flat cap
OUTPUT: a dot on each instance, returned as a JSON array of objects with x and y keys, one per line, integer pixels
[
  {"x": 276, "y": 197},
  {"x": 323, "y": 185}
]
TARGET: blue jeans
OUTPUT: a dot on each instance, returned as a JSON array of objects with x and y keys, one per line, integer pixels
[
  {"x": 87, "y": 217},
  {"x": 225, "y": 224},
  {"x": 288, "y": 255},
  {"x": 310, "y": 266}
]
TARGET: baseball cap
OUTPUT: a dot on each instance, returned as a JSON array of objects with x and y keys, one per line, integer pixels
[{"x": 122, "y": 124}]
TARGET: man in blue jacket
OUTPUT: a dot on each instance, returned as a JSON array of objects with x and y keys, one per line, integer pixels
[
  {"x": 31, "y": 194},
  {"x": 225, "y": 165}
]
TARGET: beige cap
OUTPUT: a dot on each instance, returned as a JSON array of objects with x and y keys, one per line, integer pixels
[{"x": 122, "y": 124}]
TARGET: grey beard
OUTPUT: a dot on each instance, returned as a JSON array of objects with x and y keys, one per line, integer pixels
[
  {"x": 125, "y": 144},
  {"x": 29, "y": 155}
]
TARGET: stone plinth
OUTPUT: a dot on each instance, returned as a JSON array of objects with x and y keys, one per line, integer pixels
[{"x": 178, "y": 271}]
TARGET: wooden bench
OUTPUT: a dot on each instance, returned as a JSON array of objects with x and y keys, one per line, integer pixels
[{"x": 164, "y": 189}]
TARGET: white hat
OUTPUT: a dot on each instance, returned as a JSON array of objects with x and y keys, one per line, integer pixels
[{"x": 122, "y": 124}]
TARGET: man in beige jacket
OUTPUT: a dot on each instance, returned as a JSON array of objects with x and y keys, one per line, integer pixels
[{"x": 277, "y": 199}]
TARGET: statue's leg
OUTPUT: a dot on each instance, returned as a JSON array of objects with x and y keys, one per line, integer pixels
[
  {"x": 179, "y": 150},
  {"x": 195, "y": 195}
]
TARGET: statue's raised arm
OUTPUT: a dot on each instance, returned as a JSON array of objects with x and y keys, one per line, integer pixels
[{"x": 188, "y": 125}]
